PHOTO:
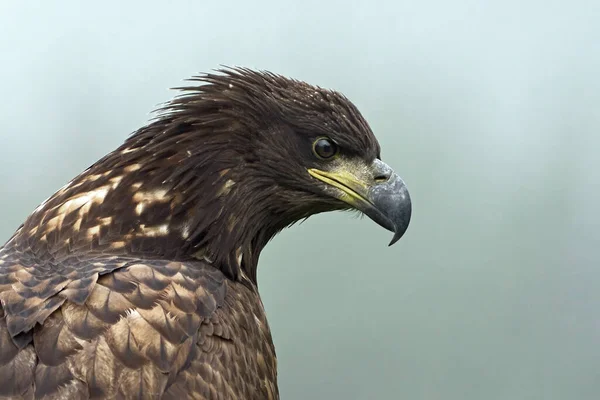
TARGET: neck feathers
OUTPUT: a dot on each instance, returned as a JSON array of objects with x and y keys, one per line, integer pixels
[{"x": 173, "y": 202}]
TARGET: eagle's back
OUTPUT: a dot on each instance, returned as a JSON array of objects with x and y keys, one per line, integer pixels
[{"x": 100, "y": 326}]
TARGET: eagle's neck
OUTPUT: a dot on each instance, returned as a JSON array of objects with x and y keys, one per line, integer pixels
[{"x": 123, "y": 205}]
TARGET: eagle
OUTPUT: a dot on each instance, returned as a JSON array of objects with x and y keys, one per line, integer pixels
[{"x": 138, "y": 278}]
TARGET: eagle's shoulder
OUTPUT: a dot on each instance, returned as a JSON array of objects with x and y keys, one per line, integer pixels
[
  {"x": 32, "y": 287},
  {"x": 103, "y": 325}
]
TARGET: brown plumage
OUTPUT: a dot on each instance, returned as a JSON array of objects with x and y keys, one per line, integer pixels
[{"x": 138, "y": 278}]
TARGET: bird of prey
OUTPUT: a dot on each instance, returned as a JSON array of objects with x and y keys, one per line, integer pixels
[{"x": 137, "y": 279}]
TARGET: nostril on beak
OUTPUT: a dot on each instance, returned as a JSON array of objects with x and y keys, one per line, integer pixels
[
  {"x": 381, "y": 171},
  {"x": 382, "y": 177}
]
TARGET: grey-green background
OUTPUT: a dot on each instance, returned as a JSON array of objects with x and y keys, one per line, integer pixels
[{"x": 490, "y": 111}]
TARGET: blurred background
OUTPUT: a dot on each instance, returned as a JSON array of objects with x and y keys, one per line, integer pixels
[{"x": 490, "y": 111}]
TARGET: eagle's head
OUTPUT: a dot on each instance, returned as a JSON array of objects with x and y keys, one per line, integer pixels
[{"x": 221, "y": 170}]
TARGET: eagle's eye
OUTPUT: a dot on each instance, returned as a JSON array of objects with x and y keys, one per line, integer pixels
[{"x": 325, "y": 148}]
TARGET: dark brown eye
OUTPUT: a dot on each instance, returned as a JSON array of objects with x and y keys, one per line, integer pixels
[{"x": 325, "y": 148}]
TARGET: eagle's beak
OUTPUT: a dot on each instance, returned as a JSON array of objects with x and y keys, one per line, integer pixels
[{"x": 374, "y": 189}]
